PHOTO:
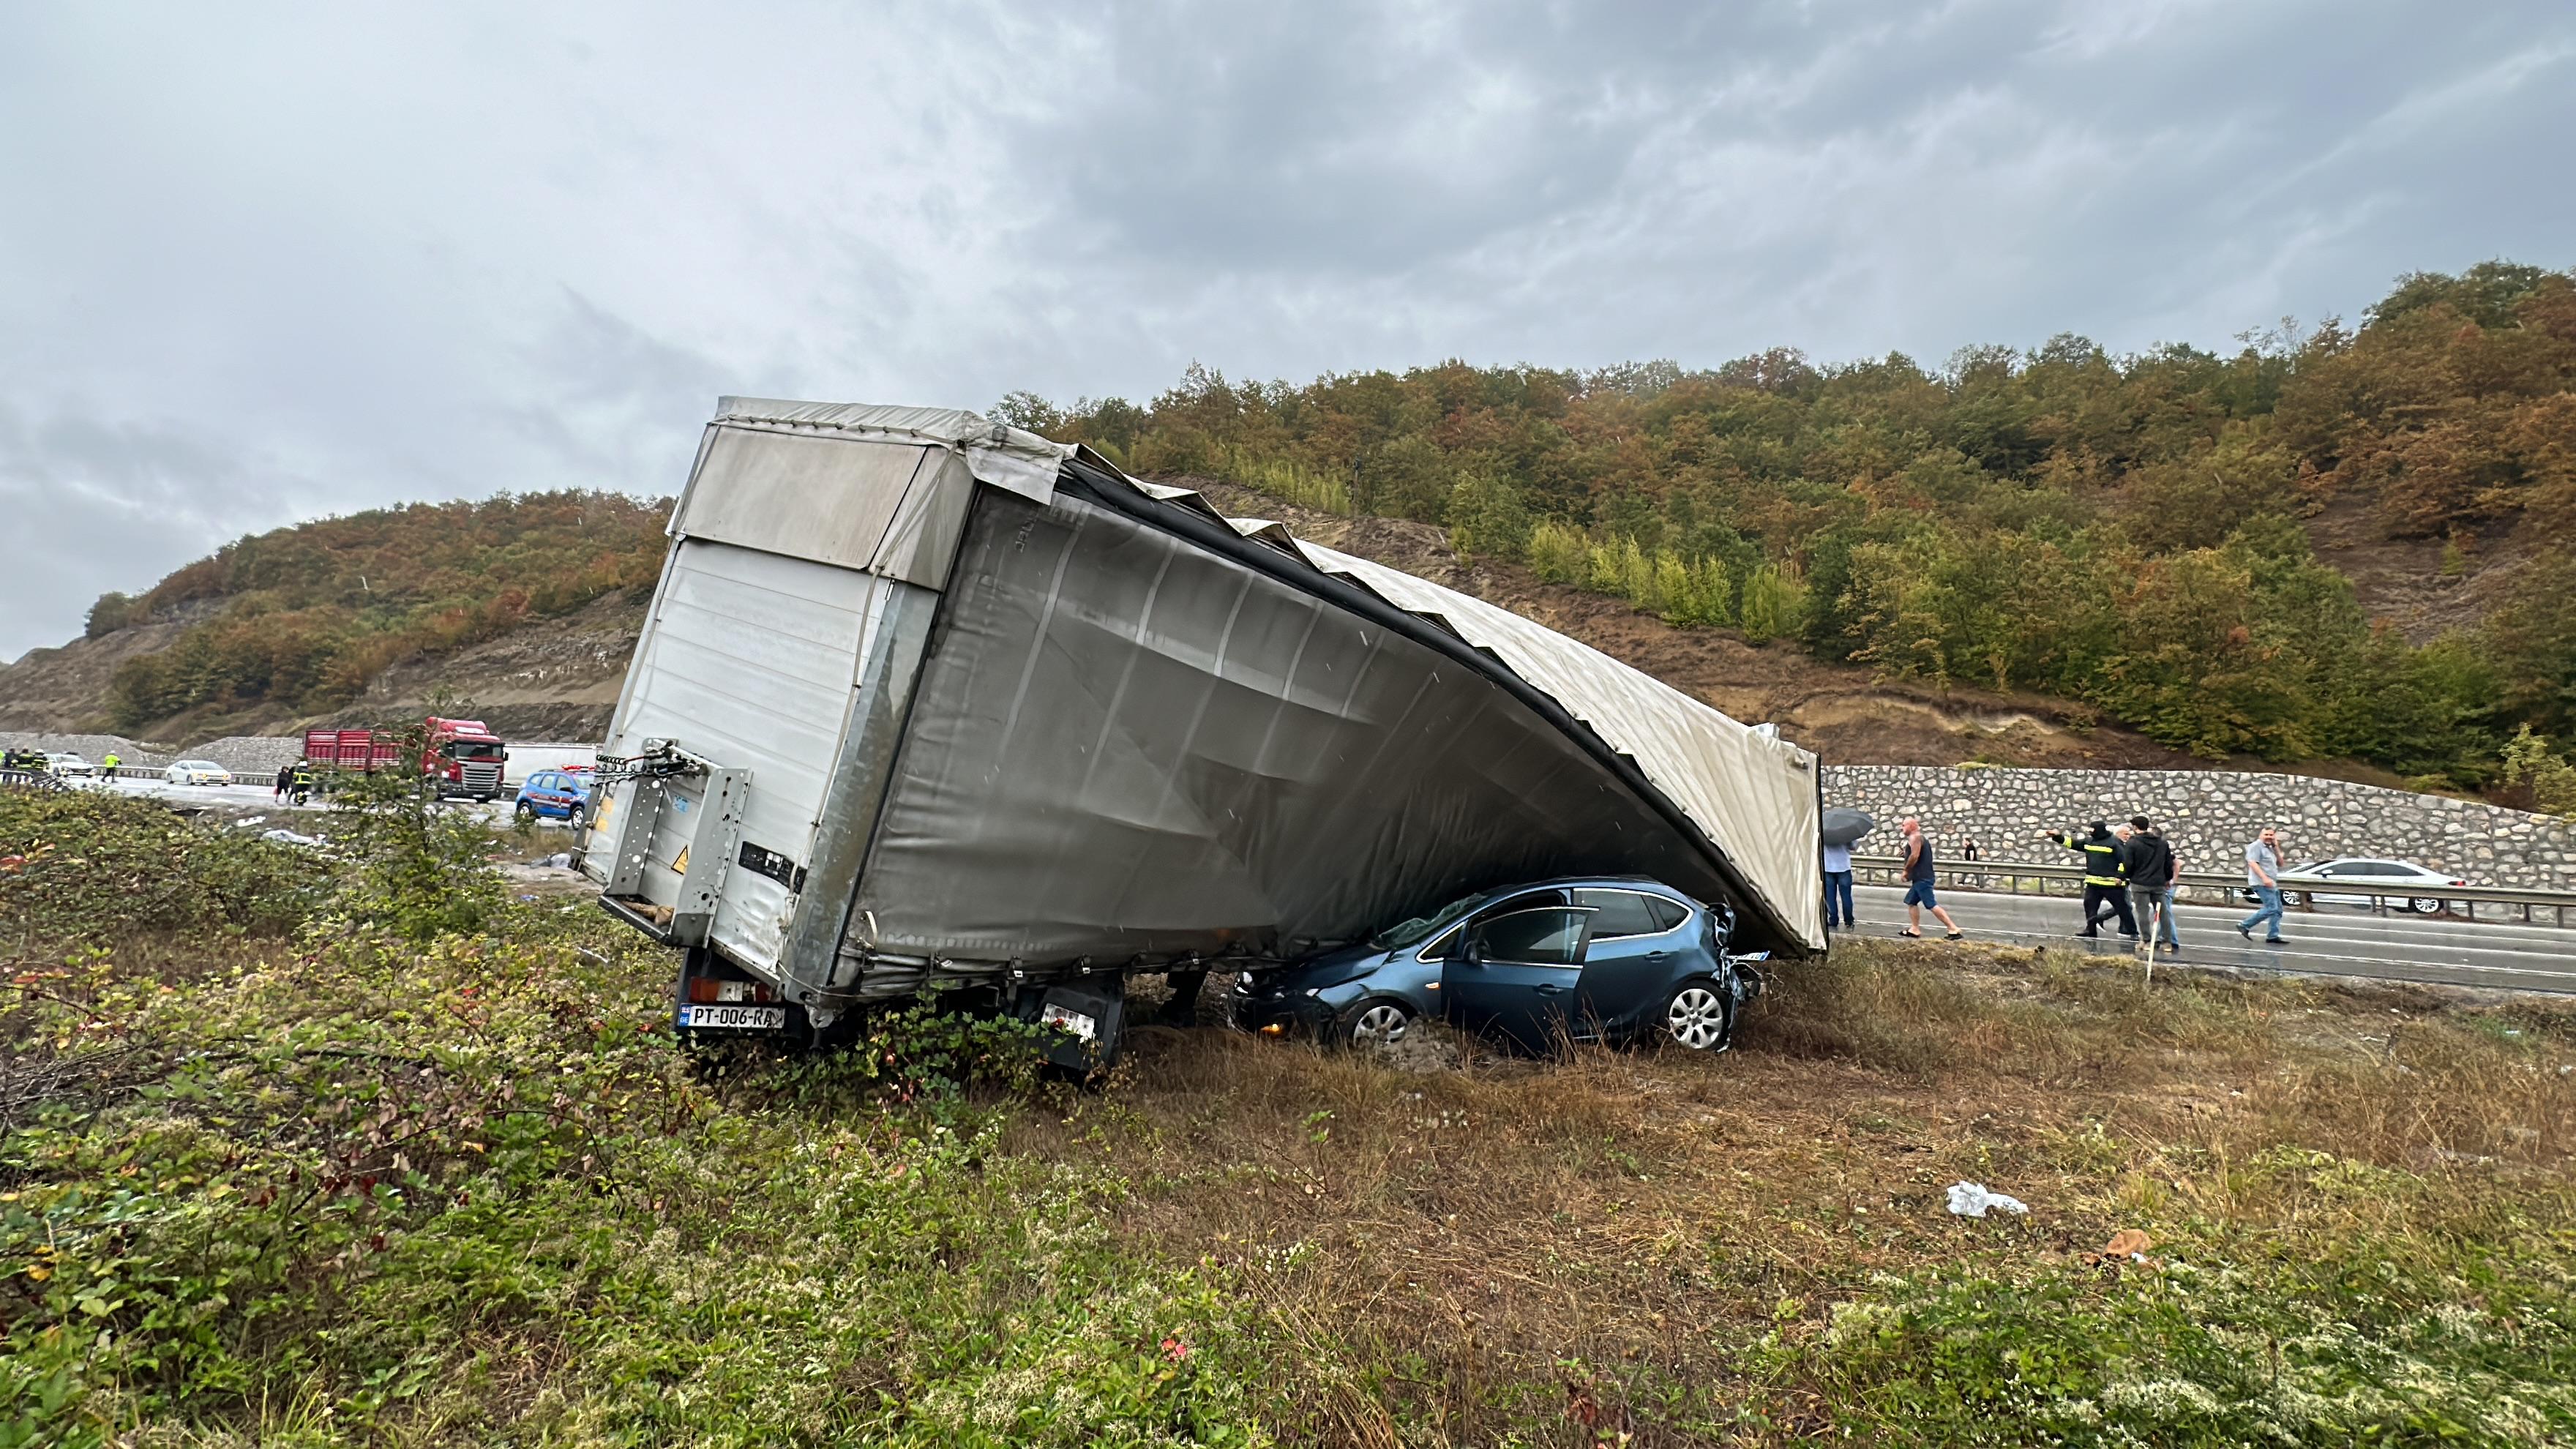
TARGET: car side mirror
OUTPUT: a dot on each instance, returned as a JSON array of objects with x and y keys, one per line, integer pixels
[{"x": 1471, "y": 952}]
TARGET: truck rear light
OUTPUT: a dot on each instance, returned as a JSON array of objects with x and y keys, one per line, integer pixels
[{"x": 710, "y": 991}]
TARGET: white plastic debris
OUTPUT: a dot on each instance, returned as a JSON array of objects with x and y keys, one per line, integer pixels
[
  {"x": 560, "y": 860},
  {"x": 247, "y": 824},
  {"x": 1972, "y": 1200},
  {"x": 289, "y": 837}
]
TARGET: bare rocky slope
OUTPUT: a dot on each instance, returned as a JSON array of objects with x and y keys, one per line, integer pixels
[{"x": 549, "y": 679}]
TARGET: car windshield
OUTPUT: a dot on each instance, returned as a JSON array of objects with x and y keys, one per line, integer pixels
[
  {"x": 1396, "y": 938},
  {"x": 474, "y": 749}
]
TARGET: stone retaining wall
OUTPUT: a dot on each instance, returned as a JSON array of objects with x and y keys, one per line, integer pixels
[{"x": 2209, "y": 816}]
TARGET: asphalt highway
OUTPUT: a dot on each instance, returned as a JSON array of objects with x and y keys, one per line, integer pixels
[{"x": 2330, "y": 940}]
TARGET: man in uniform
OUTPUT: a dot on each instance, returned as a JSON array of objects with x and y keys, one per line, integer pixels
[{"x": 2105, "y": 885}]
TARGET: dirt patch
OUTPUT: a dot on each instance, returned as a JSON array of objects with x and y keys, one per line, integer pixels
[
  {"x": 2403, "y": 581},
  {"x": 551, "y": 679},
  {"x": 1842, "y": 712}
]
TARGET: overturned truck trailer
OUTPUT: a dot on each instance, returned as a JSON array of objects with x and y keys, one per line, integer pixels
[{"x": 928, "y": 701}]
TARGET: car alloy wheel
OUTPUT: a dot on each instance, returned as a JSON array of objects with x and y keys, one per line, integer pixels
[
  {"x": 2426, "y": 906},
  {"x": 1696, "y": 1017},
  {"x": 1380, "y": 1024}
]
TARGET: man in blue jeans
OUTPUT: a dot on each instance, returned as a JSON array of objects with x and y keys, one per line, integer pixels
[
  {"x": 1838, "y": 887},
  {"x": 1918, "y": 884},
  {"x": 2263, "y": 877}
]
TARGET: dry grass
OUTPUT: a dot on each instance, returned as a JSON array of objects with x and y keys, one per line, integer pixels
[{"x": 1514, "y": 1248}]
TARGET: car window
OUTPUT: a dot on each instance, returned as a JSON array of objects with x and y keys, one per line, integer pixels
[
  {"x": 1620, "y": 913},
  {"x": 1551, "y": 936},
  {"x": 1668, "y": 913}
]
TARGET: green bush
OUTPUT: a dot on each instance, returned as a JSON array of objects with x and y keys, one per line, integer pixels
[
  {"x": 1557, "y": 553},
  {"x": 85, "y": 866}
]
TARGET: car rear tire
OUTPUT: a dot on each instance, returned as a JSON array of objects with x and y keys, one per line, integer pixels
[
  {"x": 526, "y": 812},
  {"x": 2427, "y": 906},
  {"x": 1699, "y": 1016},
  {"x": 1380, "y": 1023}
]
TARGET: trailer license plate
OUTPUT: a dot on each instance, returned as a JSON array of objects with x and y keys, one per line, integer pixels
[
  {"x": 739, "y": 1018},
  {"x": 1072, "y": 1021}
]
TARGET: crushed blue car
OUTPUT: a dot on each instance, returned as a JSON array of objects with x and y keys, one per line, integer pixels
[{"x": 1607, "y": 959}]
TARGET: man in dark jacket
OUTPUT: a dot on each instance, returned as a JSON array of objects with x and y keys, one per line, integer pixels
[
  {"x": 2105, "y": 887},
  {"x": 2150, "y": 865}
]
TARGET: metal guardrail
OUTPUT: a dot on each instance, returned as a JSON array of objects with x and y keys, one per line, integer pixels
[{"x": 2228, "y": 888}]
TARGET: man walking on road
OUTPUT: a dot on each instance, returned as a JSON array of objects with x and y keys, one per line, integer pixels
[
  {"x": 2151, "y": 868},
  {"x": 285, "y": 782},
  {"x": 2263, "y": 877},
  {"x": 2105, "y": 888},
  {"x": 1918, "y": 884},
  {"x": 1838, "y": 886}
]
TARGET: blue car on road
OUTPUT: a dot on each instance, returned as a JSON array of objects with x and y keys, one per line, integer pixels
[
  {"x": 554, "y": 795},
  {"x": 1591, "y": 959}
]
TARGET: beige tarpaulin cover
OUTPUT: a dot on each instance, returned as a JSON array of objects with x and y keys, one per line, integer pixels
[{"x": 1754, "y": 797}]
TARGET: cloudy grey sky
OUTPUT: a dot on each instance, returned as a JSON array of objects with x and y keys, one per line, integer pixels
[{"x": 263, "y": 262}]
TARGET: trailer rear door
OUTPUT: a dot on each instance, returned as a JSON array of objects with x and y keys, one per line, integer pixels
[{"x": 751, "y": 660}]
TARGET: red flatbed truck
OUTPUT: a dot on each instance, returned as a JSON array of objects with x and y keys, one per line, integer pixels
[{"x": 465, "y": 758}]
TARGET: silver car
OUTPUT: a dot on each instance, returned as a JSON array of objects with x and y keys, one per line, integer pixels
[{"x": 2365, "y": 881}]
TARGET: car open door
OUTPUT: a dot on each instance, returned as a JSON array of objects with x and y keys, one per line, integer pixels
[{"x": 1515, "y": 975}]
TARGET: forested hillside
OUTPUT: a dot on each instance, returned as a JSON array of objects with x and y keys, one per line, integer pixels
[
  {"x": 307, "y": 616},
  {"x": 2128, "y": 531}
]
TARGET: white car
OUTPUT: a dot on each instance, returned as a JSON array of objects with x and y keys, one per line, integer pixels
[
  {"x": 2398, "y": 883},
  {"x": 197, "y": 772},
  {"x": 69, "y": 765}
]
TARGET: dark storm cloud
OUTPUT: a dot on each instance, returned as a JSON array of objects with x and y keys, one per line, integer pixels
[{"x": 265, "y": 262}]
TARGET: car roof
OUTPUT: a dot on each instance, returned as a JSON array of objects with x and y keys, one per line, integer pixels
[{"x": 1646, "y": 884}]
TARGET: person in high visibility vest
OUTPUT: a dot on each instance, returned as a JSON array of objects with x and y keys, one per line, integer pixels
[
  {"x": 2106, "y": 882},
  {"x": 107, "y": 764},
  {"x": 303, "y": 782}
]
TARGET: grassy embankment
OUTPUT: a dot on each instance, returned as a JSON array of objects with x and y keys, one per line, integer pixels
[{"x": 294, "y": 1163}]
